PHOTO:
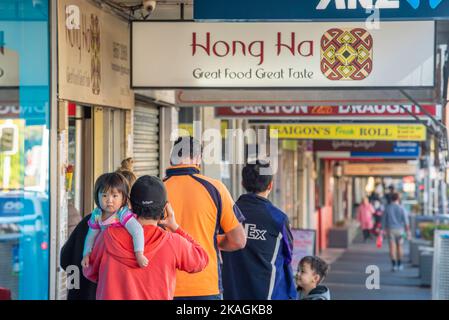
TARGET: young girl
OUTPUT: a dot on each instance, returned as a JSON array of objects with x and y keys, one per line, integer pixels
[{"x": 111, "y": 197}]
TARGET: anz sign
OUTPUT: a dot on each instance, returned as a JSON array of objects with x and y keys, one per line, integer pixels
[
  {"x": 320, "y": 10},
  {"x": 374, "y": 4}
]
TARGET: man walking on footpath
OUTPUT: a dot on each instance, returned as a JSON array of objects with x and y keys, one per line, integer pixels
[
  {"x": 395, "y": 225},
  {"x": 203, "y": 207},
  {"x": 262, "y": 270}
]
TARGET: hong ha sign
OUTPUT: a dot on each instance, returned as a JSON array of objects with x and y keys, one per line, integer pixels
[{"x": 281, "y": 55}]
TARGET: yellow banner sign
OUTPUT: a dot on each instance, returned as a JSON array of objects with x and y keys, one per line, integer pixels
[
  {"x": 381, "y": 132},
  {"x": 186, "y": 129},
  {"x": 379, "y": 169}
]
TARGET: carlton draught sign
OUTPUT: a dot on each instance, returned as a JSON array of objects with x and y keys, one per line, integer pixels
[
  {"x": 317, "y": 112},
  {"x": 281, "y": 55}
]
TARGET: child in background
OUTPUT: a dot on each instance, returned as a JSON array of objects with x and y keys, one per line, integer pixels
[
  {"x": 311, "y": 272},
  {"x": 111, "y": 197}
]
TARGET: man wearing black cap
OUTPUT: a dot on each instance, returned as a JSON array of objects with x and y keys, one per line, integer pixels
[{"x": 114, "y": 266}]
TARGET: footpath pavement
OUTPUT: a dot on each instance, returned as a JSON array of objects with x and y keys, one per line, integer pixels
[{"x": 348, "y": 274}]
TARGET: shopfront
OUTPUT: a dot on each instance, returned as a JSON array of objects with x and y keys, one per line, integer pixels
[
  {"x": 95, "y": 109},
  {"x": 146, "y": 145},
  {"x": 24, "y": 149}
]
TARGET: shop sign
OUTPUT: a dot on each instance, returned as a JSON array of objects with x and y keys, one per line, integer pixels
[
  {"x": 186, "y": 129},
  {"x": 9, "y": 66},
  {"x": 380, "y": 132},
  {"x": 320, "y": 10},
  {"x": 94, "y": 56},
  {"x": 282, "y": 55},
  {"x": 400, "y": 150},
  {"x": 360, "y": 146},
  {"x": 378, "y": 149},
  {"x": 314, "y": 112},
  {"x": 379, "y": 169},
  {"x": 304, "y": 244}
]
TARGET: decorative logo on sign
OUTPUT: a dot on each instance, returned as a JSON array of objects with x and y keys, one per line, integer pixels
[
  {"x": 432, "y": 3},
  {"x": 322, "y": 110},
  {"x": 346, "y": 54},
  {"x": 370, "y": 4}
]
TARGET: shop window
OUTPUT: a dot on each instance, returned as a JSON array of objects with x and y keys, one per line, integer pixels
[{"x": 24, "y": 149}]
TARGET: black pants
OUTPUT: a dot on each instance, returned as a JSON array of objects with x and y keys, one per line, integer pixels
[{"x": 366, "y": 234}]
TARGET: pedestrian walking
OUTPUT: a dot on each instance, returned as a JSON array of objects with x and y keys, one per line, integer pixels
[
  {"x": 388, "y": 196},
  {"x": 113, "y": 264},
  {"x": 262, "y": 270},
  {"x": 378, "y": 212},
  {"x": 205, "y": 209},
  {"x": 396, "y": 227},
  {"x": 365, "y": 216}
]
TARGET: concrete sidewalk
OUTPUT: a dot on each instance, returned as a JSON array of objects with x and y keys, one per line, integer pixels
[{"x": 347, "y": 277}]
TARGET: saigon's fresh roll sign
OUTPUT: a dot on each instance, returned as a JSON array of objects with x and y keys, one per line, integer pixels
[
  {"x": 276, "y": 55},
  {"x": 380, "y": 132}
]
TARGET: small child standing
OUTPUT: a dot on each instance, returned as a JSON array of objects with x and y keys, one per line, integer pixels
[
  {"x": 111, "y": 197},
  {"x": 311, "y": 272}
]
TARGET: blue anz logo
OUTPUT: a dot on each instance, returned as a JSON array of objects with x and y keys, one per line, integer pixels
[
  {"x": 372, "y": 4},
  {"x": 416, "y": 3}
]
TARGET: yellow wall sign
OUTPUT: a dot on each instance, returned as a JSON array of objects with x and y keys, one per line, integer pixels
[
  {"x": 186, "y": 129},
  {"x": 382, "y": 132}
]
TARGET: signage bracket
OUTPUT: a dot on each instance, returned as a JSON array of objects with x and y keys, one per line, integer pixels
[
  {"x": 436, "y": 122},
  {"x": 438, "y": 128}
]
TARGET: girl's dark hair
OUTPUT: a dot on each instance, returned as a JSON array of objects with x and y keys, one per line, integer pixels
[
  {"x": 110, "y": 181},
  {"x": 253, "y": 180}
]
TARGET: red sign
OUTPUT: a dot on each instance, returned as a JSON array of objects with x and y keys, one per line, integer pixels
[{"x": 325, "y": 111}]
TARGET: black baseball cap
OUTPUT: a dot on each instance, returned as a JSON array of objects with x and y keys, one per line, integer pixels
[{"x": 148, "y": 191}]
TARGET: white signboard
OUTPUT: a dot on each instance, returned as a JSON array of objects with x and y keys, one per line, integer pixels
[
  {"x": 282, "y": 55},
  {"x": 304, "y": 244},
  {"x": 94, "y": 56}
]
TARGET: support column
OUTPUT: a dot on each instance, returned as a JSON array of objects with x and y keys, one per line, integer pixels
[{"x": 168, "y": 124}]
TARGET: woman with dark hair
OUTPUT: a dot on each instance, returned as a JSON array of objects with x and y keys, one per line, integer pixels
[{"x": 262, "y": 270}]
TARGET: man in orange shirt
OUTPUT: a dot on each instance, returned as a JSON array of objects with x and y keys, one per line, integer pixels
[{"x": 204, "y": 208}]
